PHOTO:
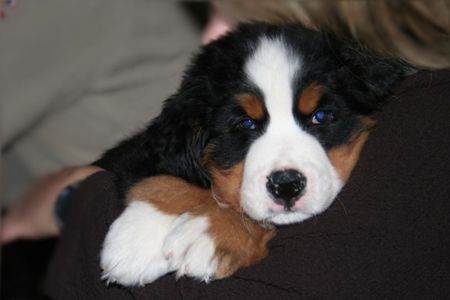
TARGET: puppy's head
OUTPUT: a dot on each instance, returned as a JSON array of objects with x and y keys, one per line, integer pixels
[{"x": 285, "y": 112}]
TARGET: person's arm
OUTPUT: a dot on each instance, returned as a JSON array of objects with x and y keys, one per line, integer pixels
[{"x": 33, "y": 216}]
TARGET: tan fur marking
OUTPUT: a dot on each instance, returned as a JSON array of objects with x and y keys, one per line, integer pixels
[
  {"x": 252, "y": 106},
  {"x": 226, "y": 185},
  {"x": 239, "y": 241},
  {"x": 170, "y": 195},
  {"x": 345, "y": 157},
  {"x": 309, "y": 99}
]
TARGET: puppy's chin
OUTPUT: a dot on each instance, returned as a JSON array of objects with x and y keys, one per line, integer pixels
[
  {"x": 289, "y": 217},
  {"x": 269, "y": 212}
]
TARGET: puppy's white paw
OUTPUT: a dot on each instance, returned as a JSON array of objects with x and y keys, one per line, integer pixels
[
  {"x": 132, "y": 250},
  {"x": 189, "y": 248}
]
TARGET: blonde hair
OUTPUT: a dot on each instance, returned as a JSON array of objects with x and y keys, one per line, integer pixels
[{"x": 417, "y": 31}]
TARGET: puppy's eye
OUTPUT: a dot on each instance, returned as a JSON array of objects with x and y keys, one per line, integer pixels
[
  {"x": 248, "y": 123},
  {"x": 322, "y": 116}
]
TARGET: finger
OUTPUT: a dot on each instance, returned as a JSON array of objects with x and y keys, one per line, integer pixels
[
  {"x": 8, "y": 232},
  {"x": 217, "y": 26}
]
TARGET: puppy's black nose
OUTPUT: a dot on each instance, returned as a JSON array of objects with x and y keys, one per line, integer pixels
[{"x": 286, "y": 186}]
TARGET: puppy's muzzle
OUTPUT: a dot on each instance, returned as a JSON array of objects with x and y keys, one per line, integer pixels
[{"x": 286, "y": 186}]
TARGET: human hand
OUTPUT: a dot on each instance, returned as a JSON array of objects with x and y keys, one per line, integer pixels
[
  {"x": 218, "y": 25},
  {"x": 33, "y": 215}
]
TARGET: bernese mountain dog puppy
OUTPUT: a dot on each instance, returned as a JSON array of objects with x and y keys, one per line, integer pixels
[{"x": 264, "y": 130}]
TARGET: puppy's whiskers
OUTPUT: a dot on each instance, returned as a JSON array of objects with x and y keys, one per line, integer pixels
[
  {"x": 246, "y": 221},
  {"x": 342, "y": 205},
  {"x": 265, "y": 223},
  {"x": 218, "y": 200}
]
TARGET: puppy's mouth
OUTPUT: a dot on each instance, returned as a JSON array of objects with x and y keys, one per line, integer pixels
[
  {"x": 283, "y": 207},
  {"x": 283, "y": 215}
]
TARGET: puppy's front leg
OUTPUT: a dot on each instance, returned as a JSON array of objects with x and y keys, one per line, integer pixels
[
  {"x": 171, "y": 225},
  {"x": 212, "y": 242},
  {"x": 131, "y": 253},
  {"x": 132, "y": 250}
]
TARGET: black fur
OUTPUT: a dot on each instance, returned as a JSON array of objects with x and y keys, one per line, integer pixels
[{"x": 204, "y": 113}]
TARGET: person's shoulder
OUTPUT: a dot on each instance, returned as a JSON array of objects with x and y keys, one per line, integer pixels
[{"x": 425, "y": 80}]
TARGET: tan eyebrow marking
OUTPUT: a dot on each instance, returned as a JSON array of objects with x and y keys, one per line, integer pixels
[
  {"x": 252, "y": 106},
  {"x": 309, "y": 98}
]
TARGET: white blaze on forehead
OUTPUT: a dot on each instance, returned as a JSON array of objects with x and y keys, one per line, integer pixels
[
  {"x": 284, "y": 145},
  {"x": 272, "y": 69}
]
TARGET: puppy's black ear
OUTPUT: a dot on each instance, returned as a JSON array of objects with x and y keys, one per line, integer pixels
[
  {"x": 172, "y": 144},
  {"x": 180, "y": 137},
  {"x": 371, "y": 76}
]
